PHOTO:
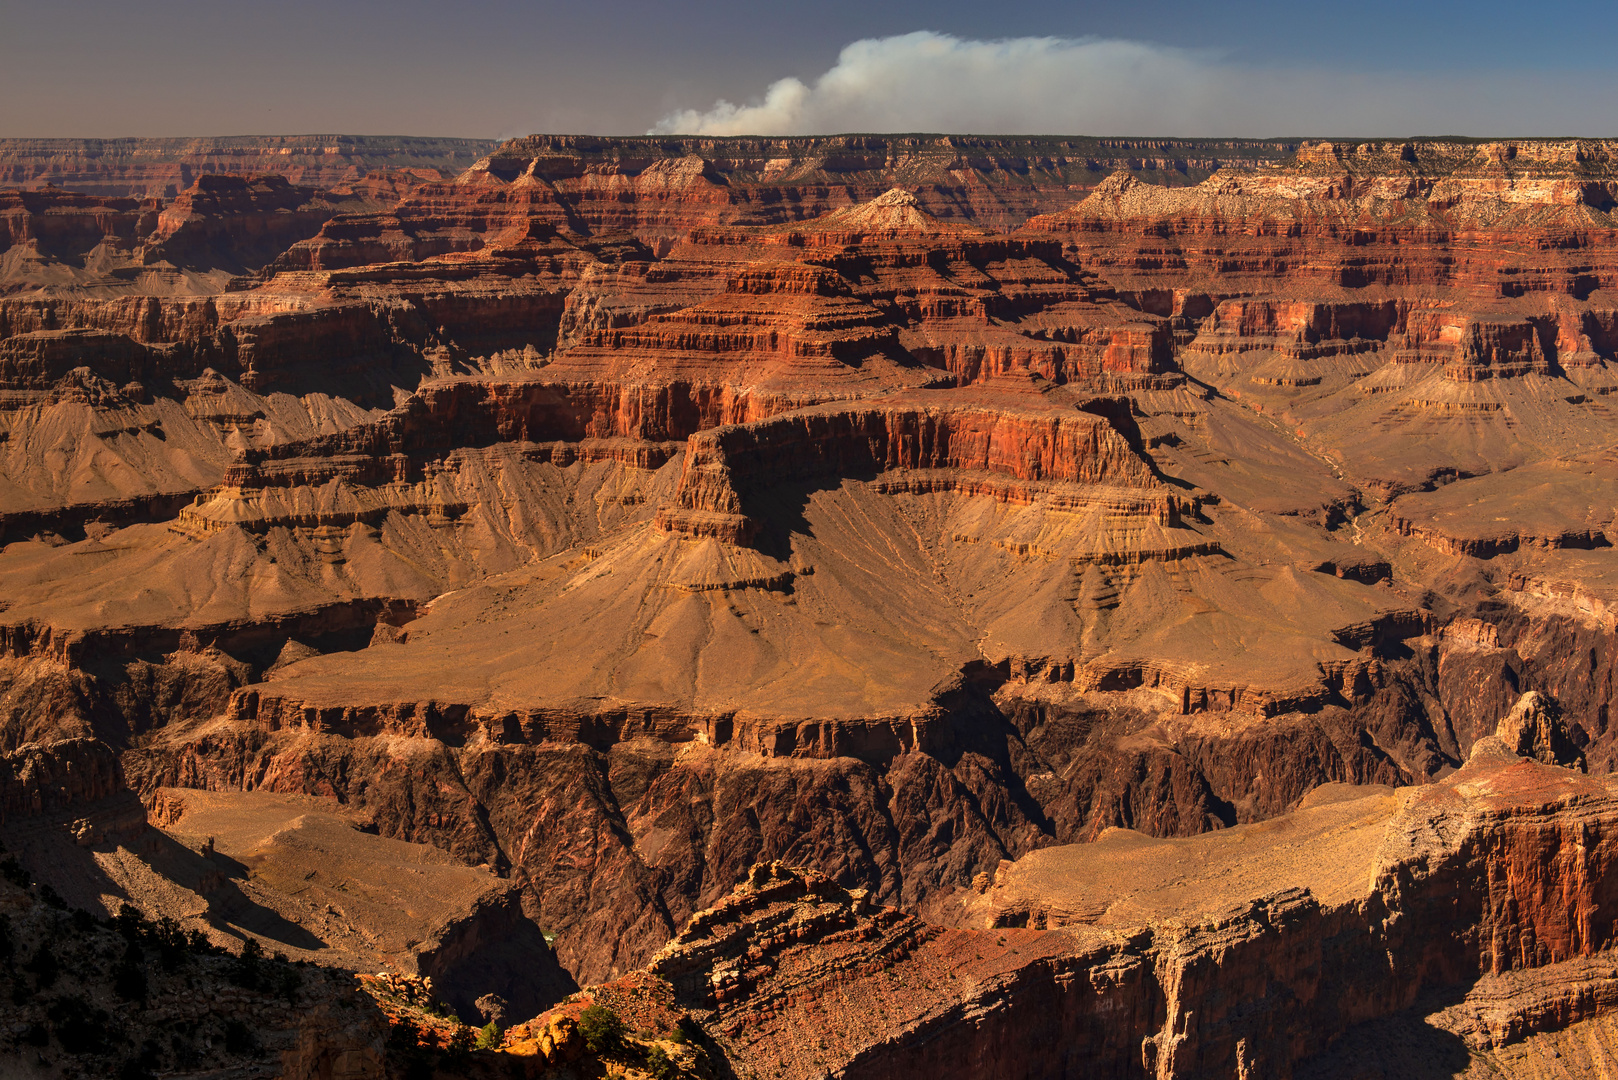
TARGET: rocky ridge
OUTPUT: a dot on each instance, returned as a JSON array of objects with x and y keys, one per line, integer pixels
[
  {"x": 161, "y": 168},
  {"x": 1277, "y": 948}
]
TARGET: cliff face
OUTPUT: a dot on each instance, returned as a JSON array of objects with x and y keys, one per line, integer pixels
[
  {"x": 616, "y": 514},
  {"x": 161, "y": 168},
  {"x": 57, "y": 777},
  {"x": 1475, "y": 910},
  {"x": 660, "y": 188}
]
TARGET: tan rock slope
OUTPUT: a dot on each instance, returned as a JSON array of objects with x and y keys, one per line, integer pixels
[{"x": 614, "y": 515}]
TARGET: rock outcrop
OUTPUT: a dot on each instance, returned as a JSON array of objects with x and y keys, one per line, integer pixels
[{"x": 1476, "y": 910}]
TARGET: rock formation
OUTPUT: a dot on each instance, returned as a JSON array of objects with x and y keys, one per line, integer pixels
[
  {"x": 610, "y": 516},
  {"x": 1476, "y": 911},
  {"x": 161, "y": 168}
]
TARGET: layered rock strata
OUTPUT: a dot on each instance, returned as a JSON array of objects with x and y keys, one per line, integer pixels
[
  {"x": 615, "y": 523},
  {"x": 1476, "y": 909},
  {"x": 160, "y": 168}
]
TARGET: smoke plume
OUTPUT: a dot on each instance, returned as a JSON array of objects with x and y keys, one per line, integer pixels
[{"x": 927, "y": 81}]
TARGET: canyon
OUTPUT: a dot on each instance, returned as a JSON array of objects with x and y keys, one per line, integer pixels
[{"x": 905, "y": 590}]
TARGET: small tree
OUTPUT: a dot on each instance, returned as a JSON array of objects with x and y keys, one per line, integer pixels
[
  {"x": 490, "y": 1036},
  {"x": 129, "y": 922},
  {"x": 458, "y": 1052},
  {"x": 246, "y": 971},
  {"x": 129, "y": 977},
  {"x": 170, "y": 940},
  {"x": 601, "y": 1028},
  {"x": 290, "y": 983},
  {"x": 660, "y": 1065},
  {"x": 42, "y": 965},
  {"x": 404, "y": 1034}
]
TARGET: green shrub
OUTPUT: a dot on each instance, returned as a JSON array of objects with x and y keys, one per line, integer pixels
[
  {"x": 403, "y": 1034},
  {"x": 129, "y": 922},
  {"x": 458, "y": 1054},
  {"x": 171, "y": 943},
  {"x": 290, "y": 983},
  {"x": 247, "y": 972},
  {"x": 660, "y": 1065},
  {"x": 490, "y": 1036},
  {"x": 129, "y": 977},
  {"x": 601, "y": 1028}
]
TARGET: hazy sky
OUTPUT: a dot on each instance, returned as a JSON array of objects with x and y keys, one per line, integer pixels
[{"x": 493, "y": 69}]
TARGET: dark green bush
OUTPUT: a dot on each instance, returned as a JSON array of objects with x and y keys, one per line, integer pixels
[
  {"x": 173, "y": 948},
  {"x": 288, "y": 985},
  {"x": 130, "y": 923},
  {"x": 403, "y": 1034},
  {"x": 248, "y": 970},
  {"x": 601, "y": 1028},
  {"x": 457, "y": 1056},
  {"x": 129, "y": 977},
  {"x": 660, "y": 1065}
]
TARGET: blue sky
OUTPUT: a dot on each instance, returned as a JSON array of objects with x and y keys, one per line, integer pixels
[{"x": 489, "y": 68}]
